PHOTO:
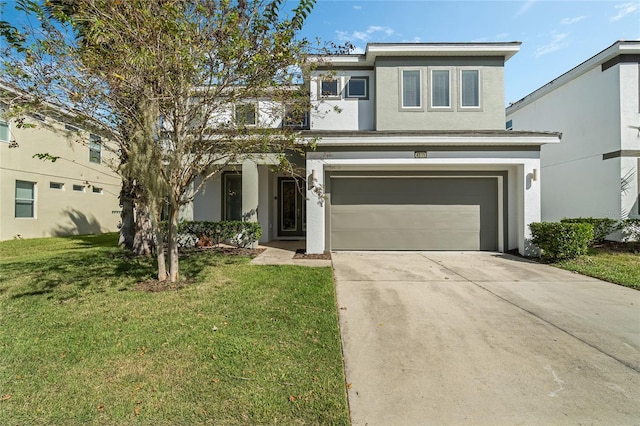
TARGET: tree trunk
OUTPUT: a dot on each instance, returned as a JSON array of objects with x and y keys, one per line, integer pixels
[
  {"x": 173, "y": 244},
  {"x": 162, "y": 267},
  {"x": 143, "y": 242},
  {"x": 127, "y": 217}
]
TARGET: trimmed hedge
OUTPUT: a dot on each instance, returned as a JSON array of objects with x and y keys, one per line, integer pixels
[
  {"x": 630, "y": 229},
  {"x": 561, "y": 240},
  {"x": 202, "y": 233},
  {"x": 601, "y": 226}
]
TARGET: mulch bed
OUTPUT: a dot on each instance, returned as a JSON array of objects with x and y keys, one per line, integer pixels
[
  {"x": 628, "y": 247},
  {"x": 301, "y": 254}
]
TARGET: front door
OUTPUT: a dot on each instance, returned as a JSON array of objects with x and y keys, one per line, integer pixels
[{"x": 291, "y": 208}]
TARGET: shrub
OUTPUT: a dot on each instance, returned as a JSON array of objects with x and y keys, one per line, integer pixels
[
  {"x": 630, "y": 229},
  {"x": 201, "y": 233},
  {"x": 601, "y": 226},
  {"x": 561, "y": 240}
]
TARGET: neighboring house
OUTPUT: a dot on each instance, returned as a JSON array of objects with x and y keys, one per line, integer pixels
[
  {"x": 410, "y": 154},
  {"x": 594, "y": 172},
  {"x": 76, "y": 194}
]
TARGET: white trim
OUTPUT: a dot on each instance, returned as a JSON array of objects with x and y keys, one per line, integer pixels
[
  {"x": 366, "y": 88},
  {"x": 435, "y": 140}
]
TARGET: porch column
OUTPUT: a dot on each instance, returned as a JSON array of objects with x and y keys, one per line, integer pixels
[
  {"x": 250, "y": 185},
  {"x": 315, "y": 206},
  {"x": 529, "y": 180}
]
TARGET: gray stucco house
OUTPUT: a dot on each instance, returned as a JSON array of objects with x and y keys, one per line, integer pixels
[{"x": 411, "y": 154}]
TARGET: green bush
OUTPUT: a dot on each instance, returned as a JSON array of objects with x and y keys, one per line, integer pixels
[
  {"x": 630, "y": 229},
  {"x": 235, "y": 232},
  {"x": 561, "y": 240},
  {"x": 601, "y": 226}
]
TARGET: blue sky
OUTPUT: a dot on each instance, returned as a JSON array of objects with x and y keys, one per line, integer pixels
[{"x": 556, "y": 35}]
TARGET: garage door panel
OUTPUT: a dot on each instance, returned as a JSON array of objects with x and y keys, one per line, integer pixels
[{"x": 414, "y": 214}]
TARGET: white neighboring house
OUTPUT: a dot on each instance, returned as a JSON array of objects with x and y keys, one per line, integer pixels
[
  {"x": 417, "y": 158},
  {"x": 76, "y": 194},
  {"x": 594, "y": 171}
]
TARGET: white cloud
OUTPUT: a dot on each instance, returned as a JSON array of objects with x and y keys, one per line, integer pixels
[
  {"x": 356, "y": 7},
  {"x": 625, "y": 9},
  {"x": 524, "y": 8},
  {"x": 557, "y": 43},
  {"x": 357, "y": 50},
  {"x": 365, "y": 35},
  {"x": 569, "y": 21}
]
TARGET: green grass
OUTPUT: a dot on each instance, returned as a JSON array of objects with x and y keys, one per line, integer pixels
[
  {"x": 615, "y": 266},
  {"x": 240, "y": 344}
]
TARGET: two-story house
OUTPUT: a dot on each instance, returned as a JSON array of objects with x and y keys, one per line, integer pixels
[
  {"x": 55, "y": 179},
  {"x": 410, "y": 154},
  {"x": 595, "y": 171}
]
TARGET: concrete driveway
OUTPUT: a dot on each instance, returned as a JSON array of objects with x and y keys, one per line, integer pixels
[{"x": 484, "y": 338}]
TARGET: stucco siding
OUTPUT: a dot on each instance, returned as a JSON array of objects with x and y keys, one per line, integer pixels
[
  {"x": 575, "y": 179},
  {"x": 93, "y": 206},
  {"x": 489, "y": 116}
]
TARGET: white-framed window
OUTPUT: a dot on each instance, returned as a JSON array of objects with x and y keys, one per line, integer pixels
[
  {"x": 71, "y": 127},
  {"x": 440, "y": 88},
  {"x": 330, "y": 87},
  {"x": 25, "y": 199},
  {"x": 56, "y": 185},
  {"x": 5, "y": 131},
  {"x": 95, "y": 148},
  {"x": 39, "y": 117},
  {"x": 78, "y": 188},
  {"x": 96, "y": 190},
  {"x": 509, "y": 125},
  {"x": 411, "y": 89},
  {"x": 246, "y": 114},
  {"x": 358, "y": 88},
  {"x": 470, "y": 88},
  {"x": 296, "y": 116}
]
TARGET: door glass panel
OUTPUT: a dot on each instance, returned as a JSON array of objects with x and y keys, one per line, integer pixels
[
  {"x": 232, "y": 196},
  {"x": 289, "y": 205}
]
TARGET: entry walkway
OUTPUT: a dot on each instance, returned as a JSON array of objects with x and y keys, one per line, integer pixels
[{"x": 283, "y": 252}]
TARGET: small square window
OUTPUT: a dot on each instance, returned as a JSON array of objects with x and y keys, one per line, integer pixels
[
  {"x": 330, "y": 88},
  {"x": 78, "y": 188},
  {"x": 246, "y": 115},
  {"x": 357, "y": 87},
  {"x": 296, "y": 116},
  {"x": 96, "y": 190},
  {"x": 56, "y": 185}
]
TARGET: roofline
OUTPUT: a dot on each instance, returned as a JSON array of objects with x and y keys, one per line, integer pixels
[
  {"x": 400, "y": 138},
  {"x": 375, "y": 50},
  {"x": 620, "y": 47}
]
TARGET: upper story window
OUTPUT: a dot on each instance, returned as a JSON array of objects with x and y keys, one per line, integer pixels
[
  {"x": 95, "y": 148},
  {"x": 71, "y": 127},
  {"x": 25, "y": 199},
  {"x": 246, "y": 114},
  {"x": 509, "y": 125},
  {"x": 358, "y": 87},
  {"x": 296, "y": 115},
  {"x": 440, "y": 89},
  {"x": 411, "y": 89},
  {"x": 470, "y": 88},
  {"x": 5, "y": 134},
  {"x": 330, "y": 87}
]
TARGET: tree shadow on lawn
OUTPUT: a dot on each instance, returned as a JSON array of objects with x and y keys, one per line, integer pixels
[{"x": 91, "y": 271}]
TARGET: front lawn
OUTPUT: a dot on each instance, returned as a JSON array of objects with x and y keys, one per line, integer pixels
[
  {"x": 239, "y": 344},
  {"x": 616, "y": 264}
]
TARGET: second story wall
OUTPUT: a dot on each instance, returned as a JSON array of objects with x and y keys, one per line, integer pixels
[
  {"x": 440, "y": 93},
  {"x": 343, "y": 100}
]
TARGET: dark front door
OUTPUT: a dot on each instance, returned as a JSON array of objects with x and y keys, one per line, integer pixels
[{"x": 291, "y": 208}]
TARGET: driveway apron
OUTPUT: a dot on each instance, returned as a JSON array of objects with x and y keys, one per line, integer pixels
[{"x": 484, "y": 338}]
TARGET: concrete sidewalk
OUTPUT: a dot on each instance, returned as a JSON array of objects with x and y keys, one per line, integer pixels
[{"x": 282, "y": 253}]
